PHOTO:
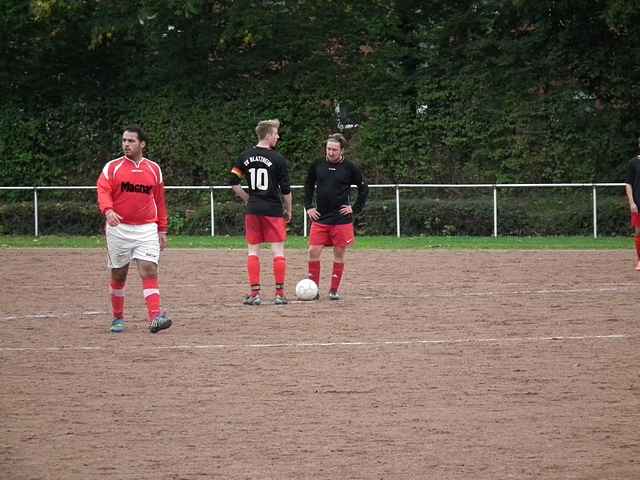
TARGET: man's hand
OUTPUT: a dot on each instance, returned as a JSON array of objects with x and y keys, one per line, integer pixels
[
  {"x": 313, "y": 213},
  {"x": 112, "y": 217},
  {"x": 240, "y": 193},
  {"x": 346, "y": 210},
  {"x": 163, "y": 240},
  {"x": 633, "y": 207},
  {"x": 287, "y": 216}
]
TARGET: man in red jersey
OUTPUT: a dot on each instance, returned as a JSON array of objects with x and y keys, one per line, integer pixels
[
  {"x": 267, "y": 175},
  {"x": 632, "y": 189},
  {"x": 332, "y": 215},
  {"x": 131, "y": 197}
]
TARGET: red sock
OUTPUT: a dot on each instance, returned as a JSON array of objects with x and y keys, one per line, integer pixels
[
  {"x": 336, "y": 276},
  {"x": 151, "y": 294},
  {"x": 637, "y": 239},
  {"x": 314, "y": 271},
  {"x": 253, "y": 270},
  {"x": 117, "y": 299},
  {"x": 279, "y": 273}
]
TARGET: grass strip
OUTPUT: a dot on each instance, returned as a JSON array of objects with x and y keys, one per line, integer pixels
[{"x": 362, "y": 242}]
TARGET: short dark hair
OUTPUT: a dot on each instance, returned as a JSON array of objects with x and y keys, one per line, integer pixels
[{"x": 142, "y": 136}]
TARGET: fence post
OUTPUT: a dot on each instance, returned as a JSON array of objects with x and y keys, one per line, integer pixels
[
  {"x": 35, "y": 210},
  {"x": 495, "y": 210},
  {"x": 397, "y": 211},
  {"x": 304, "y": 221},
  {"x": 595, "y": 213},
  {"x": 212, "y": 220}
]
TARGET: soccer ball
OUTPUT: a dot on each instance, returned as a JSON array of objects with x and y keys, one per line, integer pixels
[{"x": 306, "y": 289}]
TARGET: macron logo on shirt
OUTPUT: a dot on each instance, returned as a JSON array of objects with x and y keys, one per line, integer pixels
[{"x": 130, "y": 187}]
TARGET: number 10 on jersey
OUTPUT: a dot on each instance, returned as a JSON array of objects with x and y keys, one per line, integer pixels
[{"x": 259, "y": 178}]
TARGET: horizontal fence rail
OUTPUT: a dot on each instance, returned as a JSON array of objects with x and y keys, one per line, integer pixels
[{"x": 494, "y": 187}]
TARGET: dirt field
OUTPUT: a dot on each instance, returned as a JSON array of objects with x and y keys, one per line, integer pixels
[{"x": 435, "y": 365}]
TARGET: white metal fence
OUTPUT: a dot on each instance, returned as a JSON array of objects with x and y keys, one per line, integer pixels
[{"x": 396, "y": 187}]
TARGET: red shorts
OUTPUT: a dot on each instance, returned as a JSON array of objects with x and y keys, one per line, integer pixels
[
  {"x": 261, "y": 229},
  {"x": 635, "y": 220},
  {"x": 331, "y": 235}
]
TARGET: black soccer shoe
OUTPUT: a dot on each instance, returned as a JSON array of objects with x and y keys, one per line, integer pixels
[{"x": 161, "y": 322}]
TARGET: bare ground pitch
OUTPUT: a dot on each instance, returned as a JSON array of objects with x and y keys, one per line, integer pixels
[{"x": 437, "y": 364}]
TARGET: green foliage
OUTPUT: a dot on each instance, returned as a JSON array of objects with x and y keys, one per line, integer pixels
[
  {"x": 424, "y": 214},
  {"x": 54, "y": 218},
  {"x": 492, "y": 91}
]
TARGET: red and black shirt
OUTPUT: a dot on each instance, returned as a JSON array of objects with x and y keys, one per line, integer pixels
[
  {"x": 135, "y": 191},
  {"x": 267, "y": 175}
]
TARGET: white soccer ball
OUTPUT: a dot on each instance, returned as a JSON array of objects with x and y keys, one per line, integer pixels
[{"x": 306, "y": 289}]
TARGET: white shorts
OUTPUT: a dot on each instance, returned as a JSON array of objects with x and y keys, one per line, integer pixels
[{"x": 126, "y": 242}]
